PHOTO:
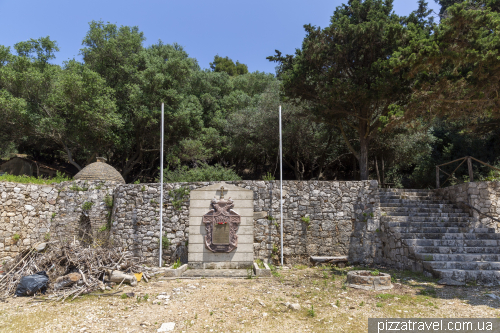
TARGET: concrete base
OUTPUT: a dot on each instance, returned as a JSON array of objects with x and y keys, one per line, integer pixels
[
  {"x": 366, "y": 281},
  {"x": 199, "y": 256},
  {"x": 261, "y": 272},
  {"x": 221, "y": 265},
  {"x": 217, "y": 273},
  {"x": 171, "y": 272}
]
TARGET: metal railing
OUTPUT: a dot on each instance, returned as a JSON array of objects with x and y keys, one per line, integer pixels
[{"x": 469, "y": 165}]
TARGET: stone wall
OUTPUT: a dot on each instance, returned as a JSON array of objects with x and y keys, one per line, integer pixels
[
  {"x": 30, "y": 214},
  {"x": 136, "y": 216},
  {"x": 319, "y": 218},
  {"x": 485, "y": 196},
  {"x": 25, "y": 216}
]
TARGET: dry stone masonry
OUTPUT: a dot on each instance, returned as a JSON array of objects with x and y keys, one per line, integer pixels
[
  {"x": 31, "y": 214},
  {"x": 421, "y": 230},
  {"x": 484, "y": 196},
  {"x": 320, "y": 218}
]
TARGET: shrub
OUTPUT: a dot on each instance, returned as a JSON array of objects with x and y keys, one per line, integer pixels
[
  {"x": 178, "y": 196},
  {"x": 77, "y": 188},
  {"x": 202, "y": 173},
  {"x": 87, "y": 205},
  {"x": 268, "y": 176},
  {"x": 16, "y": 237},
  {"x": 108, "y": 200},
  {"x": 177, "y": 264},
  {"x": 165, "y": 242}
]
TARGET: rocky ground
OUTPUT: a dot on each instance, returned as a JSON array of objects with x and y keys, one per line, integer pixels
[{"x": 294, "y": 300}]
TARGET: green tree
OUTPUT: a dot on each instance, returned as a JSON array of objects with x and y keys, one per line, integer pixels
[
  {"x": 456, "y": 68},
  {"x": 445, "y": 4},
  {"x": 309, "y": 148},
  {"x": 70, "y": 107},
  {"x": 143, "y": 78},
  {"x": 227, "y": 65},
  {"x": 344, "y": 71}
]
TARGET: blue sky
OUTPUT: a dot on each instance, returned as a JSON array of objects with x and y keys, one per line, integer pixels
[{"x": 247, "y": 31}]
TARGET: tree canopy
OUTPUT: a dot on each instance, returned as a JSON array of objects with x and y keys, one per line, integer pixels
[
  {"x": 344, "y": 71},
  {"x": 373, "y": 95}
]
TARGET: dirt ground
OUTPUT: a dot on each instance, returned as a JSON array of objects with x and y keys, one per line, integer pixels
[{"x": 252, "y": 305}]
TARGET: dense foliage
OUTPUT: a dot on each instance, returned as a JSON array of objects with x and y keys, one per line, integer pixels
[{"x": 373, "y": 95}]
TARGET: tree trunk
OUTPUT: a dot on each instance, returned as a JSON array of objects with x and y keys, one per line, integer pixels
[
  {"x": 363, "y": 154},
  {"x": 376, "y": 168}
]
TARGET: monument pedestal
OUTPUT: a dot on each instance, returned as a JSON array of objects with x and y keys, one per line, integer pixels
[{"x": 220, "y": 230}]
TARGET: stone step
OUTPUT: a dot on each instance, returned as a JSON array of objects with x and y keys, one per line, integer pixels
[
  {"x": 416, "y": 204},
  {"x": 428, "y": 224},
  {"x": 458, "y": 256},
  {"x": 486, "y": 277},
  {"x": 428, "y": 214},
  {"x": 453, "y": 242},
  {"x": 409, "y": 197},
  {"x": 457, "y": 249},
  {"x": 424, "y": 219},
  {"x": 422, "y": 210},
  {"x": 443, "y": 230},
  {"x": 402, "y": 190},
  {"x": 462, "y": 265},
  {"x": 475, "y": 235}
]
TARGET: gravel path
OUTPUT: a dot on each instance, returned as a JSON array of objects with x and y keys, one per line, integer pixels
[{"x": 251, "y": 305}]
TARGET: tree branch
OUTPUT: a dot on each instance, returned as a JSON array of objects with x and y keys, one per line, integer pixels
[{"x": 347, "y": 142}]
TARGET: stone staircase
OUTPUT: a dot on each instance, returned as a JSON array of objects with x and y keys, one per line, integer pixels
[{"x": 424, "y": 233}]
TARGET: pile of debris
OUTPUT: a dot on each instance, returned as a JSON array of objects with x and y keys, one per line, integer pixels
[{"x": 68, "y": 270}]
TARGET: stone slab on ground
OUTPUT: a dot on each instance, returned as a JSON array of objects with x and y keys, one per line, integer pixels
[
  {"x": 216, "y": 273},
  {"x": 171, "y": 272}
]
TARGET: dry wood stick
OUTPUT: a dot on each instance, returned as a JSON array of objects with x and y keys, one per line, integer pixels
[{"x": 16, "y": 265}]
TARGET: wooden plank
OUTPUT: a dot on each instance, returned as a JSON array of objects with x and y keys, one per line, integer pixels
[
  {"x": 461, "y": 158},
  {"x": 329, "y": 259},
  {"x": 471, "y": 173},
  {"x": 454, "y": 171},
  {"x": 475, "y": 159},
  {"x": 437, "y": 177}
]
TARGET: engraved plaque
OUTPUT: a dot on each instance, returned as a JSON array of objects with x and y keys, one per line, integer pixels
[
  {"x": 221, "y": 234},
  {"x": 221, "y": 225}
]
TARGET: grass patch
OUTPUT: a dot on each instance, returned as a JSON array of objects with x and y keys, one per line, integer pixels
[
  {"x": 300, "y": 267},
  {"x": 259, "y": 263},
  {"x": 59, "y": 178},
  {"x": 385, "y": 296},
  {"x": 311, "y": 312}
]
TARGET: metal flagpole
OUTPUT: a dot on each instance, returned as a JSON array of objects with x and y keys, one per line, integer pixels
[
  {"x": 281, "y": 191},
  {"x": 161, "y": 185}
]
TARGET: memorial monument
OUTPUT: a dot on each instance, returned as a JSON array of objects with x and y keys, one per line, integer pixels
[{"x": 221, "y": 230}]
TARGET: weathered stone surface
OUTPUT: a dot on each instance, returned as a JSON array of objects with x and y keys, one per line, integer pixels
[
  {"x": 485, "y": 196},
  {"x": 451, "y": 282},
  {"x": 338, "y": 214},
  {"x": 366, "y": 281}
]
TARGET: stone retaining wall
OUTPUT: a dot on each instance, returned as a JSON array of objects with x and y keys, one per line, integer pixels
[
  {"x": 320, "y": 218},
  {"x": 30, "y": 214},
  {"x": 485, "y": 196}
]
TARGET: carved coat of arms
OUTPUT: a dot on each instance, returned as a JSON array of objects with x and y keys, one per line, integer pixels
[{"x": 221, "y": 224}]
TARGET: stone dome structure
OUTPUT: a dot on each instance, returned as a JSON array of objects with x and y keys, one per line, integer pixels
[{"x": 100, "y": 171}]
